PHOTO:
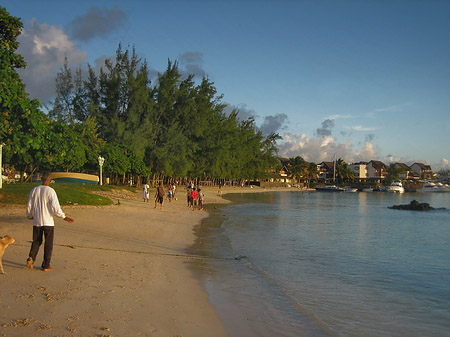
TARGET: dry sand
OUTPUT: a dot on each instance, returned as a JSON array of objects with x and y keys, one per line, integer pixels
[{"x": 117, "y": 271}]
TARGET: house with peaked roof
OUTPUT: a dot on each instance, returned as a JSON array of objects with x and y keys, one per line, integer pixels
[
  {"x": 423, "y": 170},
  {"x": 281, "y": 175},
  {"x": 408, "y": 173},
  {"x": 376, "y": 170},
  {"x": 326, "y": 170}
]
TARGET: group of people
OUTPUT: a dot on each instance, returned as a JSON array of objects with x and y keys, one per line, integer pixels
[
  {"x": 195, "y": 197},
  {"x": 160, "y": 193}
]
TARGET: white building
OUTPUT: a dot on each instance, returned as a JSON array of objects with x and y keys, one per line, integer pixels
[{"x": 359, "y": 169}]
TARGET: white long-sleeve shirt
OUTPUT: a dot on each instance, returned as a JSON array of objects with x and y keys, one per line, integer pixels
[{"x": 42, "y": 205}]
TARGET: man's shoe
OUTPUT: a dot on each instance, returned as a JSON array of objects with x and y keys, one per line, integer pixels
[
  {"x": 47, "y": 269},
  {"x": 30, "y": 263}
]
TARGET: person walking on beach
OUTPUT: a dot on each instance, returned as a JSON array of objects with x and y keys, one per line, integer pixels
[
  {"x": 159, "y": 195},
  {"x": 174, "y": 187},
  {"x": 42, "y": 205},
  {"x": 194, "y": 194},
  {"x": 201, "y": 198},
  {"x": 146, "y": 192},
  {"x": 189, "y": 195}
]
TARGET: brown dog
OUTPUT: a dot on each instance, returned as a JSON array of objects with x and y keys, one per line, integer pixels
[{"x": 4, "y": 242}]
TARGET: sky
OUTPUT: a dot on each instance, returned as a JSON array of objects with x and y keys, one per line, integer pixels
[{"x": 359, "y": 80}]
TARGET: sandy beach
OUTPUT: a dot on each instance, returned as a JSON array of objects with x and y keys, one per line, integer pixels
[{"x": 118, "y": 270}]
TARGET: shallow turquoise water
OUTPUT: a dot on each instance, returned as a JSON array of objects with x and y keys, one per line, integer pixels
[{"x": 329, "y": 264}]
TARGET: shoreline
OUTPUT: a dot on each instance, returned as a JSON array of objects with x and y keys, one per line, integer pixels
[
  {"x": 228, "y": 281},
  {"x": 118, "y": 270}
]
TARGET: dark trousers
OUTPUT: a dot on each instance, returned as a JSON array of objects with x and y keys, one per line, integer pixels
[{"x": 39, "y": 233}]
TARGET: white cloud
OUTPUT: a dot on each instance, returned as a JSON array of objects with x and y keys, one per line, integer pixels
[
  {"x": 44, "y": 48},
  {"x": 388, "y": 109},
  {"x": 392, "y": 108},
  {"x": 366, "y": 153},
  {"x": 338, "y": 116},
  {"x": 445, "y": 164},
  {"x": 360, "y": 128},
  {"x": 323, "y": 148}
]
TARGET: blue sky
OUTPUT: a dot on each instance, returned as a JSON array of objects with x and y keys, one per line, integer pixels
[{"x": 360, "y": 79}]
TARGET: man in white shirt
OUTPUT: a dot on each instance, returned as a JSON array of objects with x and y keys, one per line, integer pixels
[
  {"x": 146, "y": 192},
  {"x": 42, "y": 205}
]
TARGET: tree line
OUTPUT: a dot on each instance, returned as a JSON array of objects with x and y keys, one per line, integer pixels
[{"x": 173, "y": 128}]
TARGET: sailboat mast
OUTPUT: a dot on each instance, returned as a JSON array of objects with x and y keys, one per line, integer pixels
[{"x": 334, "y": 168}]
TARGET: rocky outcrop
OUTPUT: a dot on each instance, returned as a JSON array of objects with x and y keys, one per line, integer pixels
[{"x": 414, "y": 206}]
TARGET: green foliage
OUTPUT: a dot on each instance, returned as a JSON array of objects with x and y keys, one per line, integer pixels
[
  {"x": 64, "y": 149},
  {"x": 91, "y": 142},
  {"x": 116, "y": 160},
  {"x": 393, "y": 173},
  {"x": 298, "y": 168},
  {"x": 22, "y": 124},
  {"x": 302, "y": 171},
  {"x": 138, "y": 167},
  {"x": 69, "y": 105},
  {"x": 176, "y": 128},
  {"x": 343, "y": 172}
]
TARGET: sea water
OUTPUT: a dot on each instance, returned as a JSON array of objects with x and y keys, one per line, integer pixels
[{"x": 328, "y": 264}]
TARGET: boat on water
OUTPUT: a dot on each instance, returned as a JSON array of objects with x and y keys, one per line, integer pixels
[
  {"x": 351, "y": 189},
  {"x": 395, "y": 187},
  {"x": 72, "y": 177},
  {"x": 368, "y": 189},
  {"x": 330, "y": 188},
  {"x": 430, "y": 186}
]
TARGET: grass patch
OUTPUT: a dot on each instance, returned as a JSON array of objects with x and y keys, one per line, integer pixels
[{"x": 67, "y": 193}]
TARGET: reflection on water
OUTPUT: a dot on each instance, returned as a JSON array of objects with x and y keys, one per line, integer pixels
[{"x": 329, "y": 264}]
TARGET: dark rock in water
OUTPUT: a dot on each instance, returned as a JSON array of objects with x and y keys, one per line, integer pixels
[{"x": 414, "y": 206}]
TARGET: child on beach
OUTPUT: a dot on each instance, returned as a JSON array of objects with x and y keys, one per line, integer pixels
[{"x": 170, "y": 192}]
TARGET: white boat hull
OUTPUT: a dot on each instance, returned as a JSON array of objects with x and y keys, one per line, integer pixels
[
  {"x": 434, "y": 187},
  {"x": 395, "y": 189}
]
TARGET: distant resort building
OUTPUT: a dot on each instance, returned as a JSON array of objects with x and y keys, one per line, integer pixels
[
  {"x": 376, "y": 170},
  {"x": 326, "y": 170},
  {"x": 281, "y": 175},
  {"x": 408, "y": 173},
  {"x": 372, "y": 171},
  {"x": 359, "y": 170},
  {"x": 424, "y": 171}
]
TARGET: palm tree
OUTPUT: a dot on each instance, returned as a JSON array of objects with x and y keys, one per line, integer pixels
[
  {"x": 298, "y": 168},
  {"x": 343, "y": 173},
  {"x": 311, "y": 173}
]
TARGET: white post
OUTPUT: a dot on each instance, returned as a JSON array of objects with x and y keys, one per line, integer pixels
[{"x": 101, "y": 160}]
